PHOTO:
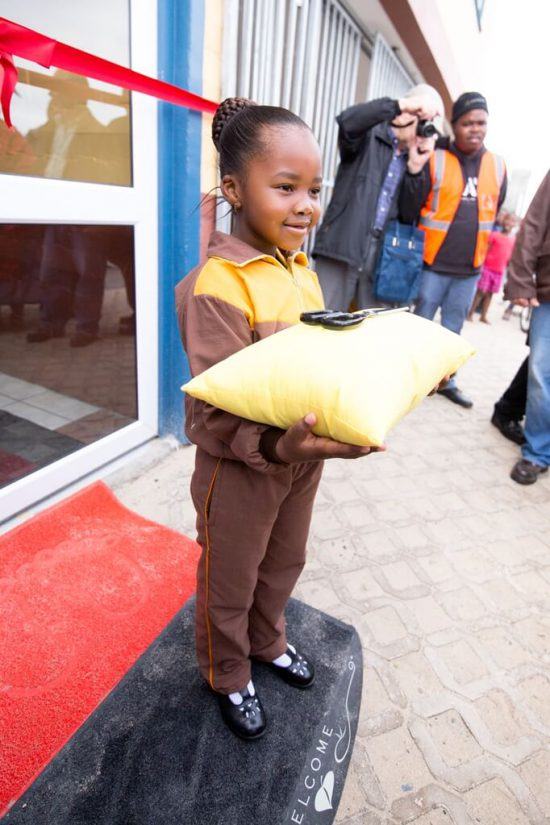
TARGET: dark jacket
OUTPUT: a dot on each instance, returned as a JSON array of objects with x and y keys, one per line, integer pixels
[
  {"x": 531, "y": 255},
  {"x": 365, "y": 154}
]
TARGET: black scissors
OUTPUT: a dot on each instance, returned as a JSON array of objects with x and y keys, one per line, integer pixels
[{"x": 332, "y": 319}]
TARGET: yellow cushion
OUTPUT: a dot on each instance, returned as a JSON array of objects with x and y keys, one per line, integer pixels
[{"x": 359, "y": 381}]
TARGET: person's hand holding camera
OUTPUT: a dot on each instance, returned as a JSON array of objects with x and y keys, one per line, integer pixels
[
  {"x": 420, "y": 151},
  {"x": 423, "y": 107}
]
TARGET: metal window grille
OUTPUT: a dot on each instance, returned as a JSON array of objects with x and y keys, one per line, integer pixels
[
  {"x": 387, "y": 75},
  {"x": 300, "y": 54}
]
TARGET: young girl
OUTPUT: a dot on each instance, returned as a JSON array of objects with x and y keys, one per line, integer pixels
[
  {"x": 253, "y": 485},
  {"x": 501, "y": 245}
]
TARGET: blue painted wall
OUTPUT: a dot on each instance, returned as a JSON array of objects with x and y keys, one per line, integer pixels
[{"x": 180, "y": 59}]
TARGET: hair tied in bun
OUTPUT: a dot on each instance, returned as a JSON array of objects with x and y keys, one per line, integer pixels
[
  {"x": 238, "y": 131},
  {"x": 225, "y": 112}
]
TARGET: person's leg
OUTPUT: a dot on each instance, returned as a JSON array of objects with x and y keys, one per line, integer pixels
[
  {"x": 365, "y": 291},
  {"x": 334, "y": 277},
  {"x": 236, "y": 510},
  {"x": 282, "y": 564},
  {"x": 536, "y": 450},
  {"x": 510, "y": 408},
  {"x": 511, "y": 405},
  {"x": 433, "y": 288},
  {"x": 456, "y": 302},
  {"x": 17, "y": 315},
  {"x": 364, "y": 294},
  {"x": 57, "y": 277},
  {"x": 454, "y": 306},
  {"x": 485, "y": 304},
  {"x": 91, "y": 263},
  {"x": 478, "y": 298}
]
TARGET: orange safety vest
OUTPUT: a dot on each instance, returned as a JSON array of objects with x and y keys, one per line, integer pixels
[{"x": 438, "y": 213}]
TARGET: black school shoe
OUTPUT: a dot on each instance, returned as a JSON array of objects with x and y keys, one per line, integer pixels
[
  {"x": 510, "y": 429},
  {"x": 456, "y": 396},
  {"x": 300, "y": 672},
  {"x": 525, "y": 472},
  {"x": 246, "y": 719}
]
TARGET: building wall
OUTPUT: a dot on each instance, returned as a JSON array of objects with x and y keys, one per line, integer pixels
[
  {"x": 373, "y": 18},
  {"x": 211, "y": 89},
  {"x": 181, "y": 31},
  {"x": 363, "y": 70},
  {"x": 451, "y": 30}
]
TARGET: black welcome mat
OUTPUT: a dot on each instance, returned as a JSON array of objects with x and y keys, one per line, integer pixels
[{"x": 156, "y": 750}]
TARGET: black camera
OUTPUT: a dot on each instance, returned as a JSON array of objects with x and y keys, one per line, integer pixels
[{"x": 426, "y": 129}]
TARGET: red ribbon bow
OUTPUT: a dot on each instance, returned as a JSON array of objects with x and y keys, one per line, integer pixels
[
  {"x": 8, "y": 79},
  {"x": 22, "y": 42}
]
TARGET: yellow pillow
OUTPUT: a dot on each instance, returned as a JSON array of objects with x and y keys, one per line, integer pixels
[{"x": 359, "y": 381}]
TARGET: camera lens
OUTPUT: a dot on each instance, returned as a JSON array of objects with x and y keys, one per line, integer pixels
[{"x": 426, "y": 128}]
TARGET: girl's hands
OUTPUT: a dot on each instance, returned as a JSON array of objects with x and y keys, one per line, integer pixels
[{"x": 300, "y": 444}]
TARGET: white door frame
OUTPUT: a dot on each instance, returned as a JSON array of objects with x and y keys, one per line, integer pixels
[{"x": 39, "y": 200}]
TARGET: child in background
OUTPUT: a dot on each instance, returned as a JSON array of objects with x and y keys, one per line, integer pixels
[
  {"x": 499, "y": 253},
  {"x": 253, "y": 486}
]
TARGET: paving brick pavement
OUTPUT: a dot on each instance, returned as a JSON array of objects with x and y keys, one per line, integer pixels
[{"x": 443, "y": 565}]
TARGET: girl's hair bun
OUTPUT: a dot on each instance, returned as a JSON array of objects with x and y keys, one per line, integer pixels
[
  {"x": 225, "y": 112},
  {"x": 237, "y": 131}
]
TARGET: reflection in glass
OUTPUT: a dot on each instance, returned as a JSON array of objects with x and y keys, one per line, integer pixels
[
  {"x": 67, "y": 340},
  {"x": 67, "y": 126},
  {"x": 75, "y": 141}
]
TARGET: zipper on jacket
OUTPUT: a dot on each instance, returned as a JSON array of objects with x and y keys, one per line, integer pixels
[{"x": 298, "y": 288}]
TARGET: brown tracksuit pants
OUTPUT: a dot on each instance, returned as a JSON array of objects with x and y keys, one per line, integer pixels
[{"x": 253, "y": 530}]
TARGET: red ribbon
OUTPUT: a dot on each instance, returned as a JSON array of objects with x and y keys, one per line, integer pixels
[{"x": 22, "y": 42}]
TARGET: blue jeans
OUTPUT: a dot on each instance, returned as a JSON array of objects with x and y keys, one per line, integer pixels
[
  {"x": 537, "y": 416},
  {"x": 453, "y": 295}
]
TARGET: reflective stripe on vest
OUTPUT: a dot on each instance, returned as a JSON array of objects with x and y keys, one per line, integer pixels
[{"x": 444, "y": 199}]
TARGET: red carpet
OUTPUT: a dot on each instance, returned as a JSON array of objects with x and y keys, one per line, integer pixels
[{"x": 85, "y": 587}]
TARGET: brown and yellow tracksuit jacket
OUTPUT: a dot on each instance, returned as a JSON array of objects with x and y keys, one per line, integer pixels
[{"x": 237, "y": 297}]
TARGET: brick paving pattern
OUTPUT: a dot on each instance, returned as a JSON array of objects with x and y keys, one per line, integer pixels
[{"x": 443, "y": 565}]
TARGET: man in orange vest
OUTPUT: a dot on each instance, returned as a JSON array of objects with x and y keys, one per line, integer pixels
[{"x": 468, "y": 187}]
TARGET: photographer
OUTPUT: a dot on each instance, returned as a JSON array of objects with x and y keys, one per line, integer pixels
[{"x": 379, "y": 179}]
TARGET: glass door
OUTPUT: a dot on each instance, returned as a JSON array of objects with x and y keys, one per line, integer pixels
[{"x": 78, "y": 255}]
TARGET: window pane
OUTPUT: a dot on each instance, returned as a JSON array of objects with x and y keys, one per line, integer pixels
[
  {"x": 67, "y": 340},
  {"x": 67, "y": 126}
]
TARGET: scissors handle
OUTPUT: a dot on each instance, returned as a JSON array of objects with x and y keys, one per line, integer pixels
[
  {"x": 317, "y": 316},
  {"x": 332, "y": 319}
]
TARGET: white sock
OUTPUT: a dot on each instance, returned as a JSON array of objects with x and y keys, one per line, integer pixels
[
  {"x": 284, "y": 660},
  {"x": 237, "y": 697}
]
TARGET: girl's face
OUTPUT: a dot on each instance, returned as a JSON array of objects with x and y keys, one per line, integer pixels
[{"x": 277, "y": 200}]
